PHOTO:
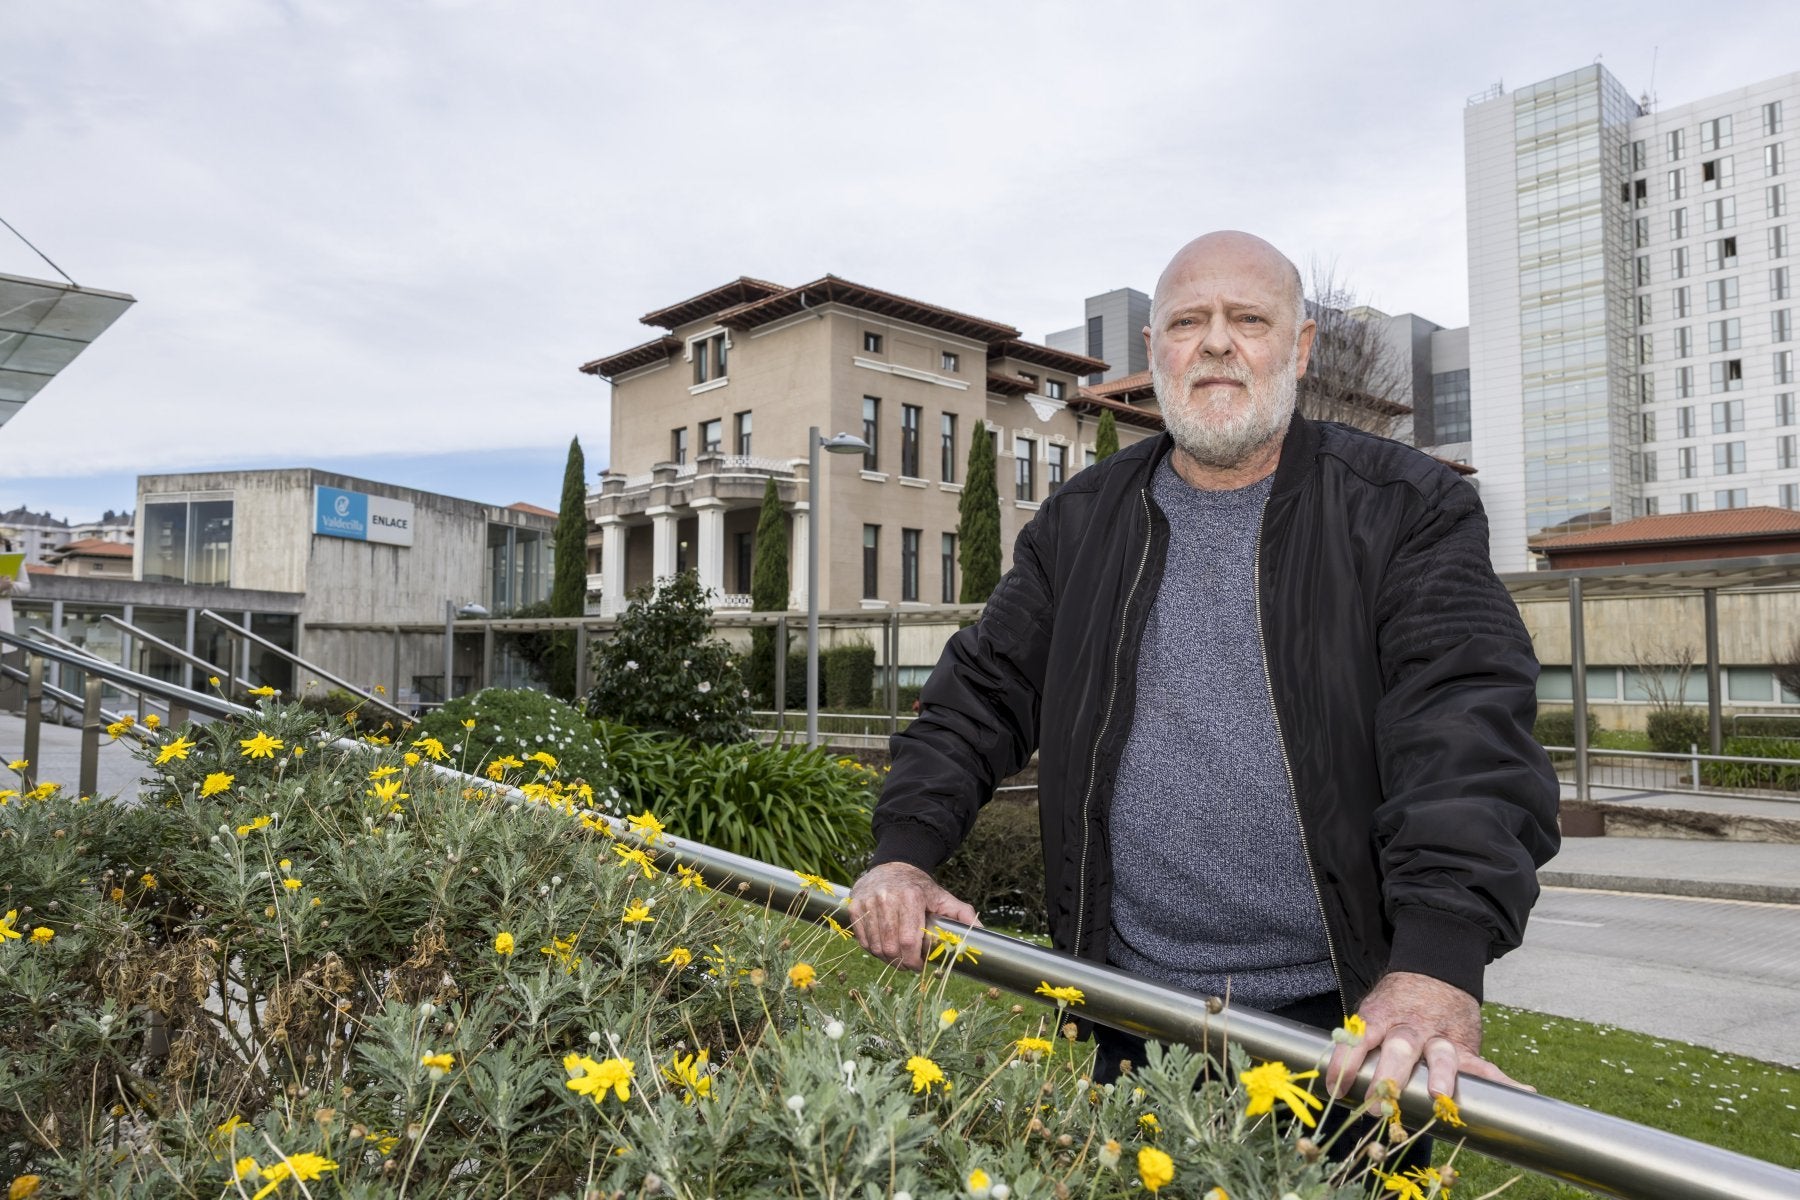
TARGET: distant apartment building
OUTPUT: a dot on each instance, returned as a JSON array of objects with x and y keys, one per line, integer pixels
[
  {"x": 32, "y": 534},
  {"x": 1631, "y": 345},
  {"x": 719, "y": 402}
]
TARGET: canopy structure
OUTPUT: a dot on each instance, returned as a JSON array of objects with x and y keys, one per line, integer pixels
[{"x": 43, "y": 326}]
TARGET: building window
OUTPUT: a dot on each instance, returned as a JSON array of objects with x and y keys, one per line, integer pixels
[
  {"x": 1731, "y": 498},
  {"x": 1646, "y": 388},
  {"x": 1785, "y": 458},
  {"x": 1648, "y": 460},
  {"x": 1728, "y": 416},
  {"x": 1643, "y": 270},
  {"x": 1675, "y": 143},
  {"x": 1771, "y": 118},
  {"x": 1686, "y": 462},
  {"x": 1773, "y": 159},
  {"x": 1690, "y": 502},
  {"x": 871, "y": 562},
  {"x": 1684, "y": 421},
  {"x": 1678, "y": 223},
  {"x": 1643, "y": 310},
  {"x": 1728, "y": 458},
  {"x": 1684, "y": 341},
  {"x": 1778, "y": 249},
  {"x": 1640, "y": 198},
  {"x": 1024, "y": 469},
  {"x": 1053, "y": 388},
  {"x": 1680, "y": 297},
  {"x": 742, "y": 441},
  {"x": 1652, "y": 506},
  {"x": 1092, "y": 456},
  {"x": 1721, "y": 253},
  {"x": 949, "y": 361},
  {"x": 1719, "y": 214},
  {"x": 947, "y": 566},
  {"x": 1715, "y": 134},
  {"x": 708, "y": 354},
  {"x": 871, "y": 342},
  {"x": 1637, "y": 155},
  {"x": 744, "y": 552},
  {"x": 1778, "y": 283},
  {"x": 1677, "y": 183},
  {"x": 188, "y": 541},
  {"x": 1784, "y": 408},
  {"x": 678, "y": 445},
  {"x": 909, "y": 440},
  {"x": 1728, "y": 375},
  {"x": 947, "y": 447},
  {"x": 1789, "y": 495},
  {"x": 1450, "y": 407},
  {"x": 872, "y": 433},
  {"x": 1678, "y": 262},
  {"x": 1715, "y": 174},
  {"x": 1721, "y": 294},
  {"x": 1722, "y": 335},
  {"x": 1775, "y": 200},
  {"x": 1646, "y": 348},
  {"x": 1784, "y": 366},
  {"x": 1057, "y": 468},
  {"x": 712, "y": 436},
  {"x": 909, "y": 565},
  {"x": 1781, "y": 325},
  {"x": 1684, "y": 382},
  {"x": 1647, "y": 427}
]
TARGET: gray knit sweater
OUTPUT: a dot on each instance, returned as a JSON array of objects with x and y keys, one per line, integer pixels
[{"x": 1210, "y": 882}]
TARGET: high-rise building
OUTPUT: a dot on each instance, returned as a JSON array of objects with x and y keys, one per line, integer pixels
[
  {"x": 1113, "y": 332},
  {"x": 1630, "y": 304}
]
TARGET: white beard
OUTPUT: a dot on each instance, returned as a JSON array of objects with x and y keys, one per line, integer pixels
[{"x": 1227, "y": 440}]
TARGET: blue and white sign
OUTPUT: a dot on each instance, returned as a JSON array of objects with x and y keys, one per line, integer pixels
[{"x": 361, "y": 517}]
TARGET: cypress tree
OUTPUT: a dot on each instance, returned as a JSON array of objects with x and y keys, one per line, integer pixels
[
  {"x": 1106, "y": 438},
  {"x": 768, "y": 591},
  {"x": 978, "y": 522},
  {"x": 568, "y": 588}
]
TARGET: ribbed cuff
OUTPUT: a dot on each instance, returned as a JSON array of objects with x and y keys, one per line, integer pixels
[
  {"x": 1429, "y": 941},
  {"x": 910, "y": 843}
]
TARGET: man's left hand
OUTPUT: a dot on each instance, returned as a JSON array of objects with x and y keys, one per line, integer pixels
[{"x": 1409, "y": 1017}]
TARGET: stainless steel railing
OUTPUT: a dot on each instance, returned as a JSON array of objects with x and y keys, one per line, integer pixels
[
  {"x": 1603, "y": 1154},
  {"x": 1684, "y": 774}
]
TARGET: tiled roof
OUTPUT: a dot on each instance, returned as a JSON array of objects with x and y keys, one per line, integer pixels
[
  {"x": 741, "y": 290},
  {"x": 1725, "y": 524},
  {"x": 1045, "y": 356},
  {"x": 534, "y": 510},
  {"x": 1007, "y": 385},
  {"x": 93, "y": 548},
  {"x": 832, "y": 290},
  {"x": 642, "y": 355},
  {"x": 1135, "y": 386},
  {"x": 1085, "y": 400}
]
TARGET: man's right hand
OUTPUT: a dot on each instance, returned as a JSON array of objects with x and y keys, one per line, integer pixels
[{"x": 891, "y": 905}]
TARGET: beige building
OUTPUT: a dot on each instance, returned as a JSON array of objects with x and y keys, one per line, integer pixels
[{"x": 720, "y": 401}]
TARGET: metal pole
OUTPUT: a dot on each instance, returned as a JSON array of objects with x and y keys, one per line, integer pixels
[
  {"x": 581, "y": 661},
  {"x": 487, "y": 653},
  {"x": 396, "y": 664},
  {"x": 449, "y": 645},
  {"x": 34, "y": 714},
  {"x": 187, "y": 669},
  {"x": 90, "y": 734},
  {"x": 1578, "y": 687},
  {"x": 893, "y": 672},
  {"x": 781, "y": 653},
  {"x": 1714, "y": 733},
  {"x": 812, "y": 586}
]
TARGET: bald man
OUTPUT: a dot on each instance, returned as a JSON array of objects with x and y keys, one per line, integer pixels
[{"x": 1282, "y": 707}]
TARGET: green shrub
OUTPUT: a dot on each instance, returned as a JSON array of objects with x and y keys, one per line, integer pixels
[
  {"x": 519, "y": 722},
  {"x": 1755, "y": 775},
  {"x": 335, "y": 702},
  {"x": 999, "y": 868},
  {"x": 849, "y": 676},
  {"x": 1556, "y": 727},
  {"x": 1766, "y": 725},
  {"x": 790, "y": 805},
  {"x": 663, "y": 670},
  {"x": 1675, "y": 730},
  {"x": 796, "y": 681}
]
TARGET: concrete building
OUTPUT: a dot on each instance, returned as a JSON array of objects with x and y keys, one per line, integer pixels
[
  {"x": 90, "y": 557},
  {"x": 1631, "y": 332},
  {"x": 1113, "y": 332},
  {"x": 719, "y": 402},
  {"x": 32, "y": 534}
]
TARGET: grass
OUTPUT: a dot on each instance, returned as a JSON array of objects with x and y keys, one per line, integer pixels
[
  {"x": 1621, "y": 739},
  {"x": 1724, "y": 1100}
]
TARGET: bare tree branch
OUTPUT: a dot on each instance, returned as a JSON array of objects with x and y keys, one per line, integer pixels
[
  {"x": 1355, "y": 375},
  {"x": 1651, "y": 662}
]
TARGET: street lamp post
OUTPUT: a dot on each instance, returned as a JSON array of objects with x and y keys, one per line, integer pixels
[
  {"x": 843, "y": 443},
  {"x": 451, "y": 612}
]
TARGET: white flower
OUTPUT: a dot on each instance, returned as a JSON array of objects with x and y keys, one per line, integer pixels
[
  {"x": 999, "y": 1191},
  {"x": 796, "y": 1104},
  {"x": 631, "y": 664},
  {"x": 902, "y": 1196},
  {"x": 834, "y": 1029},
  {"x": 705, "y": 687}
]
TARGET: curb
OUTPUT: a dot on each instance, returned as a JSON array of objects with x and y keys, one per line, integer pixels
[{"x": 1704, "y": 889}]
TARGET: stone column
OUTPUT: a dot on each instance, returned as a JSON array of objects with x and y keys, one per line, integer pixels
[
  {"x": 797, "y": 554},
  {"x": 613, "y": 540},
  {"x": 662, "y": 542},
  {"x": 711, "y": 520}
]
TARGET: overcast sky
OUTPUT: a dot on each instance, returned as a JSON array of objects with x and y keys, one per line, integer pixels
[{"x": 381, "y": 237}]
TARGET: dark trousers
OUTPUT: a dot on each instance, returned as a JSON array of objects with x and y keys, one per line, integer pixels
[{"x": 1321, "y": 1012}]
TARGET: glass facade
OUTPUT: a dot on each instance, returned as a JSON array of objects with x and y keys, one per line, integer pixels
[
  {"x": 519, "y": 567},
  {"x": 1576, "y": 279},
  {"x": 188, "y": 541},
  {"x": 1450, "y": 406}
]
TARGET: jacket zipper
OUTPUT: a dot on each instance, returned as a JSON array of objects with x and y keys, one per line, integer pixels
[
  {"x": 1105, "y": 723},
  {"x": 1293, "y": 795}
]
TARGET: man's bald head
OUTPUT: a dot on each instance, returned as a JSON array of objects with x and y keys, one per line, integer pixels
[{"x": 1238, "y": 253}]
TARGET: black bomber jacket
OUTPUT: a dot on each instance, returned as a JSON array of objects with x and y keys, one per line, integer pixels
[{"x": 1402, "y": 678}]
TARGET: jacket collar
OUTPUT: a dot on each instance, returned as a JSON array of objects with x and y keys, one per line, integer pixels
[{"x": 1299, "y": 452}]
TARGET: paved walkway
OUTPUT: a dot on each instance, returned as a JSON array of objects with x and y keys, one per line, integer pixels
[{"x": 59, "y": 757}]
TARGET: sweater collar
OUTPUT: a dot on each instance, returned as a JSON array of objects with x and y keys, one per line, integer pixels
[{"x": 1299, "y": 448}]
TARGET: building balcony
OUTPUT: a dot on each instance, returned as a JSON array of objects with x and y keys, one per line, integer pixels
[{"x": 734, "y": 479}]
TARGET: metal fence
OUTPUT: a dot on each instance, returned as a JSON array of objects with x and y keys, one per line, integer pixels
[{"x": 1693, "y": 773}]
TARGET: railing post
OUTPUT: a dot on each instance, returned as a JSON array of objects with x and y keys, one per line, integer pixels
[
  {"x": 1694, "y": 764},
  {"x": 781, "y": 652},
  {"x": 90, "y": 734},
  {"x": 1714, "y": 701},
  {"x": 1578, "y": 687},
  {"x": 581, "y": 661},
  {"x": 34, "y": 715},
  {"x": 893, "y": 672}
]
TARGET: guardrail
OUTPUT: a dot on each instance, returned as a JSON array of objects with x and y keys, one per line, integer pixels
[
  {"x": 1684, "y": 774},
  {"x": 847, "y": 730},
  {"x": 1603, "y": 1154}
]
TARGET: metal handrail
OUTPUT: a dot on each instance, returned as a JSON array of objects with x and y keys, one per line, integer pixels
[
  {"x": 167, "y": 647},
  {"x": 71, "y": 700},
  {"x": 236, "y": 630},
  {"x": 1603, "y": 1154}
]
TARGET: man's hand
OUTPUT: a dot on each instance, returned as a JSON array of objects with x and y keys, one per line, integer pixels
[
  {"x": 1409, "y": 1017},
  {"x": 889, "y": 909}
]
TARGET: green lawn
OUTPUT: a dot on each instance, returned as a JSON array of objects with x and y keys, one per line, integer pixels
[{"x": 1736, "y": 1103}]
